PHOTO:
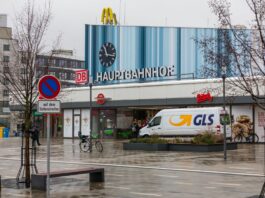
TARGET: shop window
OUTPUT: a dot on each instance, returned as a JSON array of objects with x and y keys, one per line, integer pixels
[
  {"x": 6, "y": 47},
  {"x": 155, "y": 122}
]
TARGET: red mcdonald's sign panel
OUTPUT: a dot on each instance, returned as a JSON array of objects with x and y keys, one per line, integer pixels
[{"x": 204, "y": 97}]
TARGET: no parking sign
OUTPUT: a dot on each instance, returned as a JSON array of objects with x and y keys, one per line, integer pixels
[{"x": 49, "y": 87}]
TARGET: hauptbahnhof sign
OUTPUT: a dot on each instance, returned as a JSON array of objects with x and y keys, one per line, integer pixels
[{"x": 143, "y": 73}]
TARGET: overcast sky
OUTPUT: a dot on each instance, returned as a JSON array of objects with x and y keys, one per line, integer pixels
[{"x": 70, "y": 16}]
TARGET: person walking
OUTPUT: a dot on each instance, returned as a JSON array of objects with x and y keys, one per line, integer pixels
[
  {"x": 35, "y": 136},
  {"x": 135, "y": 128}
]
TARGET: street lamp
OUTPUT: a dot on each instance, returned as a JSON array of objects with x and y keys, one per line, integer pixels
[
  {"x": 90, "y": 106},
  {"x": 224, "y": 125}
]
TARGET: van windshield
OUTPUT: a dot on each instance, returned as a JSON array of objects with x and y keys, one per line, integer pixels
[{"x": 155, "y": 122}]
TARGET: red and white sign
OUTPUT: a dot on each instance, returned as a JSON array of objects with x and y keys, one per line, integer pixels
[
  {"x": 49, "y": 87},
  {"x": 81, "y": 76},
  {"x": 101, "y": 99},
  {"x": 204, "y": 97}
]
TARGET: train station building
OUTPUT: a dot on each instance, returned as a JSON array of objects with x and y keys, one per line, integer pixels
[{"x": 138, "y": 71}]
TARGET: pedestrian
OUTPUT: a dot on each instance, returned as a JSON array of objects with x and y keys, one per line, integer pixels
[
  {"x": 35, "y": 136},
  {"x": 135, "y": 128}
]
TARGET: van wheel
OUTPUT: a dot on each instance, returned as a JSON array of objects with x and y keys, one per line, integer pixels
[{"x": 146, "y": 136}]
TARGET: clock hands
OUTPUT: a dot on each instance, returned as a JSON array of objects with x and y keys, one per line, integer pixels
[
  {"x": 105, "y": 51},
  {"x": 107, "y": 54}
]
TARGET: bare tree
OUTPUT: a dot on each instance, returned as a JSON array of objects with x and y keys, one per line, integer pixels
[
  {"x": 21, "y": 77},
  {"x": 238, "y": 51}
]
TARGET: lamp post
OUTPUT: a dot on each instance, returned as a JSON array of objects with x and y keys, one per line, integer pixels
[
  {"x": 90, "y": 107},
  {"x": 223, "y": 77}
]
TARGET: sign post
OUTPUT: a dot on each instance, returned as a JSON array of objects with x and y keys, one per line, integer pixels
[
  {"x": 90, "y": 106},
  {"x": 49, "y": 87}
]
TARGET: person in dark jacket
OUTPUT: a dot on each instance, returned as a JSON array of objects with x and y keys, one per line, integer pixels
[{"x": 35, "y": 136}]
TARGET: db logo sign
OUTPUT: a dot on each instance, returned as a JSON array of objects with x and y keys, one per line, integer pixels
[
  {"x": 101, "y": 99},
  {"x": 81, "y": 76}
]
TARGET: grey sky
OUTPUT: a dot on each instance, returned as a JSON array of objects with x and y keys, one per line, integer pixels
[{"x": 69, "y": 16}]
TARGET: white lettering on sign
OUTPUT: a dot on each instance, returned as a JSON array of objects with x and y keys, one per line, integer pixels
[
  {"x": 81, "y": 76},
  {"x": 49, "y": 106},
  {"x": 141, "y": 73}
]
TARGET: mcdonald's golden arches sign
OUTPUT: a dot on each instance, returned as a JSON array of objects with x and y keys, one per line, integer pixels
[{"x": 108, "y": 16}]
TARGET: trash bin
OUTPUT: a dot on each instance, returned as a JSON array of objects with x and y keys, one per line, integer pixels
[
  {"x": 6, "y": 132},
  {"x": 1, "y": 132}
]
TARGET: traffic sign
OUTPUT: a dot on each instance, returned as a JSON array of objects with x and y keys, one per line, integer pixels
[
  {"x": 49, "y": 86},
  {"x": 49, "y": 106},
  {"x": 81, "y": 76}
]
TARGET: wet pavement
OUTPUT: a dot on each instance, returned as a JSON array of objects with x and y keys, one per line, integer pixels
[{"x": 140, "y": 173}]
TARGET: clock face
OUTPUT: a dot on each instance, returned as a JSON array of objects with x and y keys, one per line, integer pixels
[{"x": 107, "y": 54}]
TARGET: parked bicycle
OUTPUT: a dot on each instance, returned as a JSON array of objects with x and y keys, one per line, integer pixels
[
  {"x": 249, "y": 137},
  {"x": 87, "y": 142}
]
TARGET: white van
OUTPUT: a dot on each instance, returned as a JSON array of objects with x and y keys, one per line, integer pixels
[{"x": 185, "y": 122}]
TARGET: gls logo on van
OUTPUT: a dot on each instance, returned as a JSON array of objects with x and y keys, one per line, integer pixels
[{"x": 199, "y": 120}]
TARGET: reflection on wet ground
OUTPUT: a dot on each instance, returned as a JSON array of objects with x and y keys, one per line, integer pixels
[{"x": 138, "y": 173}]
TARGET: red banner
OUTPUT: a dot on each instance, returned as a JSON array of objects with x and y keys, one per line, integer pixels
[{"x": 204, "y": 97}]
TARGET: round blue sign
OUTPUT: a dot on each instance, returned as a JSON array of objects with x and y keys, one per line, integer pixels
[{"x": 49, "y": 87}]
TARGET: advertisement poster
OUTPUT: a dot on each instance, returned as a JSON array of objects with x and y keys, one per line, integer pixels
[
  {"x": 68, "y": 123},
  {"x": 85, "y": 122},
  {"x": 76, "y": 125},
  {"x": 243, "y": 121}
]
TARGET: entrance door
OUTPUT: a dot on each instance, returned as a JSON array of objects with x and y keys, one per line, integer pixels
[
  {"x": 76, "y": 125},
  {"x": 107, "y": 123}
]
